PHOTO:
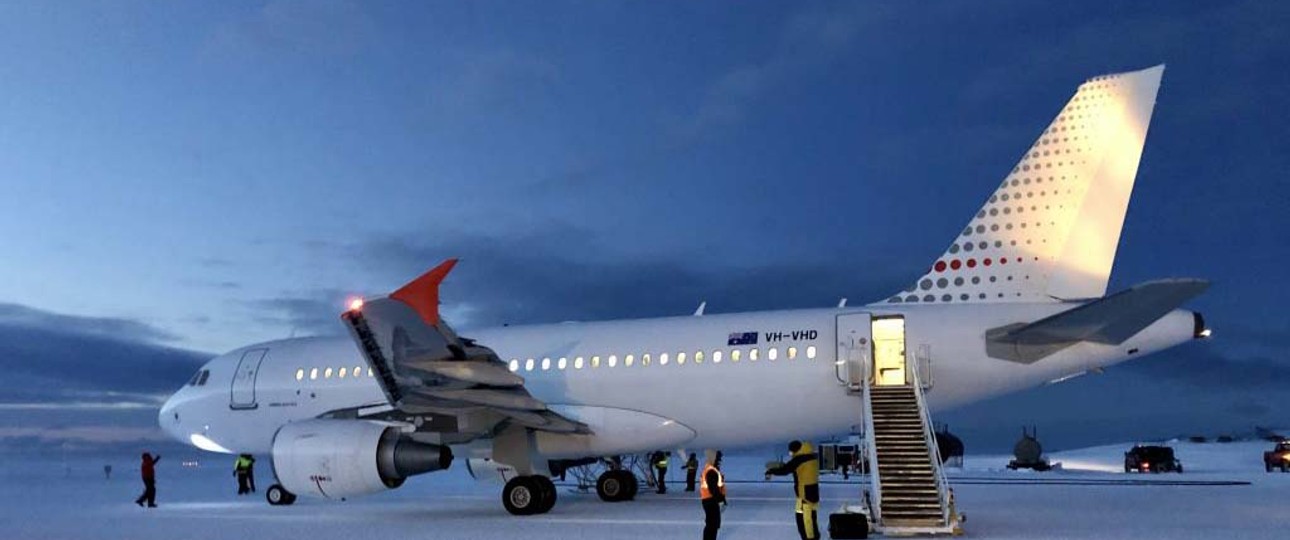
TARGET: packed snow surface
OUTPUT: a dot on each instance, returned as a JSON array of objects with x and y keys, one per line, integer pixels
[{"x": 1090, "y": 497}]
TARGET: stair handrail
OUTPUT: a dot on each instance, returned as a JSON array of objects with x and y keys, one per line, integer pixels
[
  {"x": 871, "y": 444},
  {"x": 934, "y": 451}
]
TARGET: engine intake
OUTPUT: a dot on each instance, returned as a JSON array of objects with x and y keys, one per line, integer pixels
[{"x": 343, "y": 458}]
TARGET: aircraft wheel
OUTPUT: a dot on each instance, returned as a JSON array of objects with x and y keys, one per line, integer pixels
[
  {"x": 612, "y": 486},
  {"x": 279, "y": 496},
  {"x": 522, "y": 496},
  {"x": 547, "y": 491},
  {"x": 633, "y": 486}
]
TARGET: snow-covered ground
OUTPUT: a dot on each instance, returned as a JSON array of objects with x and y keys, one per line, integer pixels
[{"x": 1088, "y": 498}]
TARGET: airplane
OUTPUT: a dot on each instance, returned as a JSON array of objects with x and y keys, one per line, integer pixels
[{"x": 1017, "y": 300}]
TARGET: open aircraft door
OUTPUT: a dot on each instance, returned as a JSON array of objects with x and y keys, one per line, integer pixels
[
  {"x": 242, "y": 395},
  {"x": 854, "y": 348}
]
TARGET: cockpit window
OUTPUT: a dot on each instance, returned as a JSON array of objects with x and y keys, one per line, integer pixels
[{"x": 200, "y": 377}]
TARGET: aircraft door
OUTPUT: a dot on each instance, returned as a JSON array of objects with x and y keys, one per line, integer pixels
[
  {"x": 243, "y": 392},
  {"x": 853, "y": 348},
  {"x": 889, "y": 351}
]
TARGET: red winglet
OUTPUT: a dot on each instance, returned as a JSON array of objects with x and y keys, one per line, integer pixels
[{"x": 422, "y": 293}]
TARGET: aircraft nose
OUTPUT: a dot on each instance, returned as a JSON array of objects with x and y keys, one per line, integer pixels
[{"x": 170, "y": 420}]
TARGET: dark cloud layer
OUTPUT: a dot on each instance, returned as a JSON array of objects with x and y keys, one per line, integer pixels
[{"x": 54, "y": 358}]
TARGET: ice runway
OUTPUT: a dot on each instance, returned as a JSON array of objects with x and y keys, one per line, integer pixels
[{"x": 42, "y": 501}]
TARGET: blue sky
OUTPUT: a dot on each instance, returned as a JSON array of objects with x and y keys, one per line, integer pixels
[{"x": 207, "y": 175}]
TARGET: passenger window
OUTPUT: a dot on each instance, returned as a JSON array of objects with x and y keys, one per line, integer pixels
[
  {"x": 344, "y": 371},
  {"x": 370, "y": 373},
  {"x": 734, "y": 355},
  {"x": 613, "y": 360},
  {"x": 327, "y": 374},
  {"x": 546, "y": 364},
  {"x": 680, "y": 359},
  {"x": 753, "y": 354},
  {"x": 300, "y": 374},
  {"x": 528, "y": 365},
  {"x": 662, "y": 359},
  {"x": 810, "y": 352},
  {"x": 645, "y": 360},
  {"x": 577, "y": 363},
  {"x": 629, "y": 360},
  {"x": 772, "y": 353},
  {"x": 564, "y": 362},
  {"x": 313, "y": 374},
  {"x": 698, "y": 357},
  {"x": 595, "y": 361},
  {"x": 792, "y": 353},
  {"x": 514, "y": 365},
  {"x": 716, "y": 357},
  {"x": 358, "y": 371}
]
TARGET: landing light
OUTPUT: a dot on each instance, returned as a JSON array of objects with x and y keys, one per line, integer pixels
[
  {"x": 355, "y": 304},
  {"x": 1206, "y": 333}
]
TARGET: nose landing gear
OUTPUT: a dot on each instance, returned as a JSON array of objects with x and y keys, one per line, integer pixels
[{"x": 279, "y": 496}]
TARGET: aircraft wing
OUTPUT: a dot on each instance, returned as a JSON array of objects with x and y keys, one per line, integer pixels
[
  {"x": 1111, "y": 320},
  {"x": 424, "y": 367}
]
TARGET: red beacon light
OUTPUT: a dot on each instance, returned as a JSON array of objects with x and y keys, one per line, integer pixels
[{"x": 355, "y": 304}]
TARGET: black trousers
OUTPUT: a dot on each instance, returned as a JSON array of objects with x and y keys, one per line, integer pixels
[
  {"x": 149, "y": 493},
  {"x": 243, "y": 483},
  {"x": 711, "y": 519},
  {"x": 689, "y": 479},
  {"x": 662, "y": 479}
]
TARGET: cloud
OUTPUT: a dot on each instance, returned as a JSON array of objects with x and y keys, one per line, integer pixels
[
  {"x": 807, "y": 40},
  {"x": 19, "y": 316},
  {"x": 321, "y": 29},
  {"x": 56, "y": 358},
  {"x": 562, "y": 273},
  {"x": 313, "y": 312}
]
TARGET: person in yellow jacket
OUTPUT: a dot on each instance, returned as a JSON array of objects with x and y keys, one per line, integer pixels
[{"x": 805, "y": 468}]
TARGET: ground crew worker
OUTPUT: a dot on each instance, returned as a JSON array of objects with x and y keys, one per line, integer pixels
[
  {"x": 805, "y": 468},
  {"x": 712, "y": 493},
  {"x": 147, "y": 471},
  {"x": 660, "y": 465},
  {"x": 242, "y": 470},
  {"x": 691, "y": 469}
]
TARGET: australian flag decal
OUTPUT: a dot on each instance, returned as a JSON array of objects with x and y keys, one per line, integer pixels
[{"x": 742, "y": 338}]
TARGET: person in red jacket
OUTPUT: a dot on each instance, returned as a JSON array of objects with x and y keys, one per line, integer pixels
[{"x": 147, "y": 470}]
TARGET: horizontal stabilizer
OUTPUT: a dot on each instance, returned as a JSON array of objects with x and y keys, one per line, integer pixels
[{"x": 1111, "y": 320}]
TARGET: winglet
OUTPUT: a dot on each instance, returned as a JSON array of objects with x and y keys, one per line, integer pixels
[{"x": 422, "y": 294}]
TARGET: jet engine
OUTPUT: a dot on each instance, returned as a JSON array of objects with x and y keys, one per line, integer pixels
[{"x": 337, "y": 459}]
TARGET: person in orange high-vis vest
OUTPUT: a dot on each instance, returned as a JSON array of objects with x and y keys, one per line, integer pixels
[{"x": 712, "y": 493}]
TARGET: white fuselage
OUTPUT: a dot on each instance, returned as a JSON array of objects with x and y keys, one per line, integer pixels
[{"x": 725, "y": 404}]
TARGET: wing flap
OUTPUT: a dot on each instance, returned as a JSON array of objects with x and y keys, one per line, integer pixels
[{"x": 1111, "y": 320}]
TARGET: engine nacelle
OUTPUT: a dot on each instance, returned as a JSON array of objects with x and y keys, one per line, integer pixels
[{"x": 336, "y": 459}]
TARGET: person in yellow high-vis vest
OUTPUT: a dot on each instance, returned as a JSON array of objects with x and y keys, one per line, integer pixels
[
  {"x": 804, "y": 465},
  {"x": 712, "y": 493}
]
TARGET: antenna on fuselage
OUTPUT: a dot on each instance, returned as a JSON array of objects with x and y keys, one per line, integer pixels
[
  {"x": 843, "y": 302},
  {"x": 702, "y": 306}
]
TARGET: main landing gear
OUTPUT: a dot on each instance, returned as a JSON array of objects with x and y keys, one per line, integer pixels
[
  {"x": 617, "y": 485},
  {"x": 529, "y": 495},
  {"x": 279, "y": 496}
]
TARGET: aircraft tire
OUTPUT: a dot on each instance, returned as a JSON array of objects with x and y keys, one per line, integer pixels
[
  {"x": 612, "y": 486},
  {"x": 522, "y": 496},
  {"x": 279, "y": 496},
  {"x": 633, "y": 486},
  {"x": 547, "y": 492}
]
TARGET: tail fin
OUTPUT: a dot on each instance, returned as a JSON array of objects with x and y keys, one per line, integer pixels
[{"x": 1050, "y": 231}]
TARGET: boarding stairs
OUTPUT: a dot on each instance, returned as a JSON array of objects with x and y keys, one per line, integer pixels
[{"x": 908, "y": 491}]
